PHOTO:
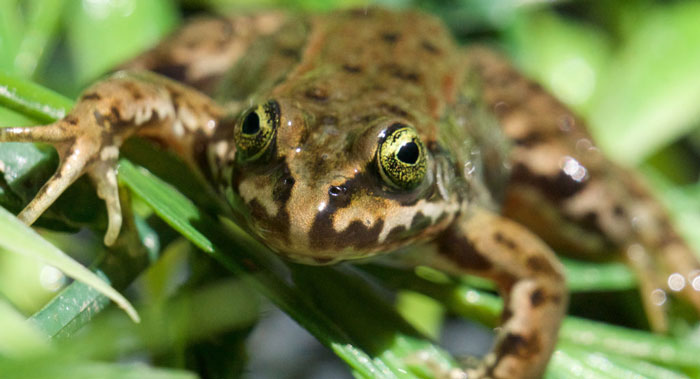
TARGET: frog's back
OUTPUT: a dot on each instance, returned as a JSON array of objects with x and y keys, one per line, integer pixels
[{"x": 360, "y": 64}]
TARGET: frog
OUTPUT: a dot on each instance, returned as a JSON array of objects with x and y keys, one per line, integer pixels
[{"x": 351, "y": 134}]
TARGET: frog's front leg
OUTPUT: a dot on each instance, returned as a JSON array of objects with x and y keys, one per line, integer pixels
[
  {"x": 528, "y": 276},
  {"x": 89, "y": 137}
]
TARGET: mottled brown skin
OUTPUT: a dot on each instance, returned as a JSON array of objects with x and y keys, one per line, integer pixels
[{"x": 337, "y": 85}]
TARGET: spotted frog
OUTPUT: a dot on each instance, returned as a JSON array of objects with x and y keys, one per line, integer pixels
[{"x": 356, "y": 133}]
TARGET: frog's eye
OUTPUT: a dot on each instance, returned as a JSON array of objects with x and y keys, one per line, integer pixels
[
  {"x": 256, "y": 130},
  {"x": 401, "y": 157}
]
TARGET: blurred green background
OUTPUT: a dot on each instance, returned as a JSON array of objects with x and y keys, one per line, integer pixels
[{"x": 631, "y": 68}]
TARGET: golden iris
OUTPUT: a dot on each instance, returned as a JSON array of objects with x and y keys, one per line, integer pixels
[
  {"x": 401, "y": 158},
  {"x": 256, "y": 130}
]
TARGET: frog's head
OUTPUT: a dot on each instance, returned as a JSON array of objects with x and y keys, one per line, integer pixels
[{"x": 318, "y": 189}]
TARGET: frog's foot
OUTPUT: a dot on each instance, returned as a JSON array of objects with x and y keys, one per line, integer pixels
[
  {"x": 528, "y": 276},
  {"x": 80, "y": 152},
  {"x": 668, "y": 270},
  {"x": 89, "y": 138}
]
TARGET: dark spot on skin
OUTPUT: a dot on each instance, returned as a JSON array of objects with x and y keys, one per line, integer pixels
[
  {"x": 420, "y": 222},
  {"x": 316, "y": 94},
  {"x": 283, "y": 188},
  {"x": 505, "y": 241},
  {"x": 589, "y": 221},
  {"x": 99, "y": 118},
  {"x": 133, "y": 90},
  {"x": 393, "y": 109},
  {"x": 91, "y": 96},
  {"x": 354, "y": 69},
  {"x": 619, "y": 211},
  {"x": 367, "y": 118},
  {"x": 518, "y": 345},
  {"x": 506, "y": 314},
  {"x": 530, "y": 140},
  {"x": 390, "y": 37},
  {"x": 541, "y": 265},
  {"x": 115, "y": 113},
  {"x": 329, "y": 120},
  {"x": 290, "y": 52},
  {"x": 537, "y": 298},
  {"x": 357, "y": 234},
  {"x": 556, "y": 188},
  {"x": 459, "y": 249},
  {"x": 173, "y": 71},
  {"x": 396, "y": 233},
  {"x": 429, "y": 47},
  {"x": 277, "y": 226},
  {"x": 401, "y": 72},
  {"x": 71, "y": 120}
]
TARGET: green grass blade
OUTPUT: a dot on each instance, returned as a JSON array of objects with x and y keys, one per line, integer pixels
[
  {"x": 21, "y": 239},
  {"x": 32, "y": 100},
  {"x": 56, "y": 369},
  {"x": 43, "y": 21},
  {"x": 597, "y": 336},
  {"x": 17, "y": 337},
  {"x": 587, "y": 276},
  {"x": 563, "y": 365}
]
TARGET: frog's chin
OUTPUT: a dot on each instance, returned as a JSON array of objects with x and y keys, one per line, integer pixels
[{"x": 309, "y": 256}]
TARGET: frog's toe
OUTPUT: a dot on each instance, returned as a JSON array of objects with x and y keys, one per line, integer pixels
[
  {"x": 104, "y": 175},
  {"x": 70, "y": 168},
  {"x": 683, "y": 272},
  {"x": 52, "y": 134},
  {"x": 80, "y": 150}
]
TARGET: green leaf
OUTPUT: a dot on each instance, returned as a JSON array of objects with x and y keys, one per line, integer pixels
[
  {"x": 102, "y": 35},
  {"x": 17, "y": 337},
  {"x": 32, "y": 100},
  {"x": 648, "y": 97},
  {"x": 43, "y": 21},
  {"x": 56, "y": 369},
  {"x": 21, "y": 239}
]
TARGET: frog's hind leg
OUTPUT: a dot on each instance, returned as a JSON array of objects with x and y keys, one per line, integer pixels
[
  {"x": 564, "y": 189},
  {"x": 528, "y": 276}
]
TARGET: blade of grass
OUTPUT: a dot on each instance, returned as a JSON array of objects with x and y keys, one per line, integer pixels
[
  {"x": 564, "y": 365},
  {"x": 597, "y": 336},
  {"x": 56, "y": 369},
  {"x": 21, "y": 239},
  {"x": 587, "y": 276},
  {"x": 32, "y": 100},
  {"x": 17, "y": 337},
  {"x": 10, "y": 33},
  {"x": 43, "y": 20}
]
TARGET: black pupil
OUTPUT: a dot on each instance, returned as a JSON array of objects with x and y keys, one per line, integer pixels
[
  {"x": 251, "y": 123},
  {"x": 408, "y": 153}
]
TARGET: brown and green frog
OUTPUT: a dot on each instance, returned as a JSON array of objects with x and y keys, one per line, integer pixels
[{"x": 346, "y": 135}]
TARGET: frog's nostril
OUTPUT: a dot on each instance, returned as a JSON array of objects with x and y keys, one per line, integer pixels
[{"x": 337, "y": 190}]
